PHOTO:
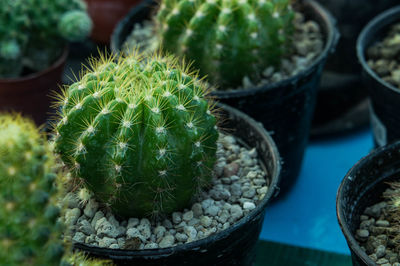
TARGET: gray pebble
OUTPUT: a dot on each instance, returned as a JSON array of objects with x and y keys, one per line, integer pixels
[
  {"x": 159, "y": 231},
  {"x": 380, "y": 251},
  {"x": 71, "y": 200},
  {"x": 79, "y": 237},
  {"x": 151, "y": 246},
  {"x": 205, "y": 221},
  {"x": 181, "y": 237},
  {"x": 167, "y": 224},
  {"x": 212, "y": 210},
  {"x": 249, "y": 206},
  {"x": 114, "y": 246},
  {"x": 145, "y": 228},
  {"x": 97, "y": 217},
  {"x": 187, "y": 216},
  {"x": 106, "y": 242},
  {"x": 236, "y": 190},
  {"x": 167, "y": 241},
  {"x": 104, "y": 228},
  {"x": 362, "y": 233},
  {"x": 191, "y": 232},
  {"x": 90, "y": 239},
  {"x": 207, "y": 203},
  {"x": 236, "y": 212},
  {"x": 91, "y": 208},
  {"x": 249, "y": 193},
  {"x": 197, "y": 210},
  {"x": 176, "y": 217},
  {"x": 72, "y": 215},
  {"x": 134, "y": 233},
  {"x": 382, "y": 223},
  {"x": 85, "y": 227},
  {"x": 132, "y": 222}
]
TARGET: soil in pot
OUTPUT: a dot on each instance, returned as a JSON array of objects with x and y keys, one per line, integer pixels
[
  {"x": 283, "y": 100},
  {"x": 378, "y": 232},
  {"x": 383, "y": 57},
  {"x": 239, "y": 183}
]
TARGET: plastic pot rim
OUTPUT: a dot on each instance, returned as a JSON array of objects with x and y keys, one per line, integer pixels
[
  {"x": 273, "y": 189},
  {"x": 352, "y": 242},
  {"x": 374, "y": 27},
  {"x": 61, "y": 60}
]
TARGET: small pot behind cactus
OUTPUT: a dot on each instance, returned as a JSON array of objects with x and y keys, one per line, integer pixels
[
  {"x": 33, "y": 41},
  {"x": 140, "y": 134},
  {"x": 30, "y": 224}
]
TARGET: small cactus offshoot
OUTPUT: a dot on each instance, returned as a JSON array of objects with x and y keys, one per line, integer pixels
[
  {"x": 227, "y": 39},
  {"x": 139, "y": 132}
]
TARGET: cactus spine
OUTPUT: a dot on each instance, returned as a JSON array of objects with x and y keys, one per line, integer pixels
[
  {"x": 227, "y": 39},
  {"x": 140, "y": 134}
]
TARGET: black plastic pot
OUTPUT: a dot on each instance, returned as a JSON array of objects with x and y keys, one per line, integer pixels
[
  {"x": 362, "y": 187},
  {"x": 285, "y": 108},
  {"x": 385, "y": 98},
  {"x": 233, "y": 246},
  {"x": 342, "y": 92}
]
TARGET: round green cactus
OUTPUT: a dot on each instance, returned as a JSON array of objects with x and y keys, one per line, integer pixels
[
  {"x": 140, "y": 134},
  {"x": 29, "y": 231},
  {"x": 75, "y": 25},
  {"x": 227, "y": 39},
  {"x": 36, "y": 31}
]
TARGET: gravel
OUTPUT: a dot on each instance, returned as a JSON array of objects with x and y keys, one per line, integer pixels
[
  {"x": 383, "y": 57},
  {"x": 224, "y": 204},
  {"x": 378, "y": 232},
  {"x": 307, "y": 45}
]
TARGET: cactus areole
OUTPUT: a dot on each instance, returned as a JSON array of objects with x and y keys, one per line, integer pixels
[
  {"x": 227, "y": 39},
  {"x": 139, "y": 133}
]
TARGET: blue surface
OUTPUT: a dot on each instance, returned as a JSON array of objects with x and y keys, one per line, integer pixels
[{"x": 306, "y": 217}]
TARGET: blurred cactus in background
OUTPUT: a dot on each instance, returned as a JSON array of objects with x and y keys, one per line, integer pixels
[
  {"x": 33, "y": 33},
  {"x": 227, "y": 39},
  {"x": 31, "y": 189}
]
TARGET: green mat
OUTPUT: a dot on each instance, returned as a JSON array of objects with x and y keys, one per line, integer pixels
[{"x": 271, "y": 254}]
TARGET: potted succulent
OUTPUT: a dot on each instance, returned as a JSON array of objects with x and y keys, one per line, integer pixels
[
  {"x": 368, "y": 207},
  {"x": 33, "y": 50},
  {"x": 377, "y": 50},
  {"x": 153, "y": 179},
  {"x": 105, "y": 15},
  {"x": 265, "y": 58},
  {"x": 341, "y": 98},
  {"x": 30, "y": 228}
]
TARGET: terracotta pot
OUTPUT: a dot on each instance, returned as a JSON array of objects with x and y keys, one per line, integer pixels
[
  {"x": 105, "y": 15},
  {"x": 30, "y": 95}
]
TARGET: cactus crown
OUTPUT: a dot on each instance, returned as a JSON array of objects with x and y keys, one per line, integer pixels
[
  {"x": 227, "y": 39},
  {"x": 29, "y": 233},
  {"x": 35, "y": 31},
  {"x": 139, "y": 133}
]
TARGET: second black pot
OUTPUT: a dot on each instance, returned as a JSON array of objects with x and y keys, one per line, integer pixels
[
  {"x": 342, "y": 93},
  {"x": 385, "y": 98},
  {"x": 233, "y": 246},
  {"x": 286, "y": 108},
  {"x": 362, "y": 187}
]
